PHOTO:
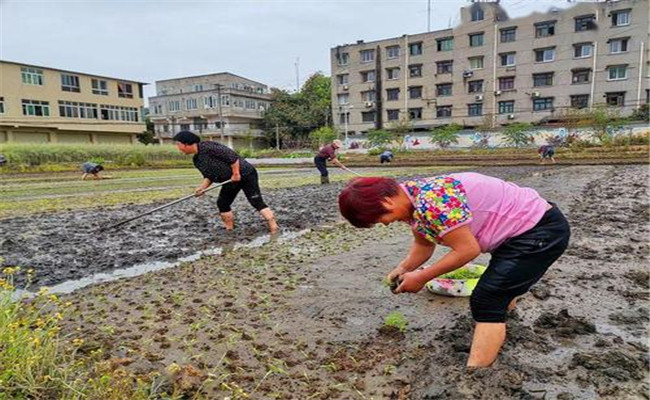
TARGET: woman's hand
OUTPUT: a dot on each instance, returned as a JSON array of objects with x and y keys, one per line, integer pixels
[
  {"x": 396, "y": 273},
  {"x": 198, "y": 192},
  {"x": 410, "y": 282}
]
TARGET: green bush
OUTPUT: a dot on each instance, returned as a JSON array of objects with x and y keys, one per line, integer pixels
[{"x": 375, "y": 151}]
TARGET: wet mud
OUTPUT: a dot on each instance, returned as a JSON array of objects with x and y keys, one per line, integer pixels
[{"x": 305, "y": 319}]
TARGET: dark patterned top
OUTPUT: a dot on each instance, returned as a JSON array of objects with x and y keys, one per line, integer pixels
[
  {"x": 214, "y": 160},
  {"x": 327, "y": 152}
]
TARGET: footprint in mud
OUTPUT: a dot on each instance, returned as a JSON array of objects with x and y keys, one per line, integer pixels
[
  {"x": 564, "y": 325},
  {"x": 617, "y": 365}
]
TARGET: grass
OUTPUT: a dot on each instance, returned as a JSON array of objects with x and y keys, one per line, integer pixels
[
  {"x": 38, "y": 362},
  {"x": 26, "y": 194}
]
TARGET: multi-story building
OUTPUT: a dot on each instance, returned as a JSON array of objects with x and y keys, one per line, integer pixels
[
  {"x": 214, "y": 105},
  {"x": 48, "y": 105},
  {"x": 497, "y": 70}
]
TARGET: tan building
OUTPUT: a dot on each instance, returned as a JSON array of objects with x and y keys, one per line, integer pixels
[
  {"x": 210, "y": 105},
  {"x": 497, "y": 70},
  {"x": 48, "y": 105}
]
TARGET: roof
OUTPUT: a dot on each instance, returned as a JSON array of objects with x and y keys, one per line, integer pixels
[
  {"x": 74, "y": 72},
  {"x": 214, "y": 73}
]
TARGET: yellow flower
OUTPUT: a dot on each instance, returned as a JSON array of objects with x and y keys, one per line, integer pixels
[
  {"x": 77, "y": 342},
  {"x": 36, "y": 341},
  {"x": 53, "y": 297},
  {"x": 58, "y": 316},
  {"x": 10, "y": 270}
]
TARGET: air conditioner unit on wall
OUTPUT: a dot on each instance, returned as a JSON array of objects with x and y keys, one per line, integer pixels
[
  {"x": 479, "y": 97},
  {"x": 467, "y": 74},
  {"x": 346, "y": 87},
  {"x": 536, "y": 94},
  {"x": 511, "y": 116},
  {"x": 497, "y": 93},
  {"x": 369, "y": 104}
]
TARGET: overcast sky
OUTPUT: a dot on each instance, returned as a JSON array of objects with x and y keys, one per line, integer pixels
[{"x": 149, "y": 40}]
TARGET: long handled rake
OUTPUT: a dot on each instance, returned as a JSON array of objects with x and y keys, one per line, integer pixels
[{"x": 105, "y": 228}]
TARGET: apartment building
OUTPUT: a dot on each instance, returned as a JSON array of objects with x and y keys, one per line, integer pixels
[
  {"x": 497, "y": 70},
  {"x": 220, "y": 106},
  {"x": 48, "y": 105}
]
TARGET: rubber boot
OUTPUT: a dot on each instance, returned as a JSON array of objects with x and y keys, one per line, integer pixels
[{"x": 324, "y": 180}]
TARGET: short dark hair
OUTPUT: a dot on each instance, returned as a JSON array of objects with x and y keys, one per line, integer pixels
[
  {"x": 361, "y": 201},
  {"x": 187, "y": 137}
]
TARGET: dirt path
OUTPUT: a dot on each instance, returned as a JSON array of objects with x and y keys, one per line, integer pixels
[{"x": 300, "y": 319}]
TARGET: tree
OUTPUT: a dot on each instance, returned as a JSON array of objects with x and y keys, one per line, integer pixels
[
  {"x": 604, "y": 121},
  {"x": 400, "y": 129},
  {"x": 380, "y": 137},
  {"x": 321, "y": 136},
  {"x": 517, "y": 134},
  {"x": 445, "y": 135},
  {"x": 148, "y": 136},
  {"x": 297, "y": 114},
  {"x": 484, "y": 131}
]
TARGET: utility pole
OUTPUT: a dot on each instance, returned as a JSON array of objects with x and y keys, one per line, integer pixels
[
  {"x": 428, "y": 15},
  {"x": 297, "y": 74},
  {"x": 378, "y": 87},
  {"x": 277, "y": 137},
  {"x": 223, "y": 135}
]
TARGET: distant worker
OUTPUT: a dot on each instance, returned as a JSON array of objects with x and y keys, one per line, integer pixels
[
  {"x": 219, "y": 163},
  {"x": 327, "y": 153},
  {"x": 386, "y": 156},
  {"x": 546, "y": 151},
  {"x": 91, "y": 168}
]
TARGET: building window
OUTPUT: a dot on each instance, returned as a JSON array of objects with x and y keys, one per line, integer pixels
[
  {"x": 475, "y": 39},
  {"x": 621, "y": 18},
  {"x": 415, "y": 49},
  {"x": 392, "y": 94},
  {"x": 368, "y": 76},
  {"x": 618, "y": 45},
  {"x": 191, "y": 104},
  {"x": 582, "y": 50},
  {"x": 543, "y": 79},
  {"x": 444, "y": 89},
  {"x": 71, "y": 109},
  {"x": 392, "y": 52},
  {"x": 125, "y": 90},
  {"x": 225, "y": 100},
  {"x": 475, "y": 86},
  {"x": 185, "y": 127},
  {"x": 174, "y": 105},
  {"x": 36, "y": 108},
  {"x": 542, "y": 104},
  {"x": 477, "y": 13},
  {"x": 415, "y": 92},
  {"x": 31, "y": 76},
  {"x": 343, "y": 58},
  {"x": 585, "y": 23},
  {"x": 580, "y": 101},
  {"x": 615, "y": 99},
  {"x": 415, "y": 114},
  {"x": 445, "y": 44},
  {"x": 616, "y": 72},
  {"x": 545, "y": 55},
  {"x": 507, "y": 83},
  {"x": 342, "y": 79},
  {"x": 582, "y": 75},
  {"x": 368, "y": 96},
  {"x": 344, "y": 118},
  {"x": 343, "y": 98},
  {"x": 367, "y": 56},
  {"x": 99, "y": 87},
  {"x": 393, "y": 115},
  {"x": 368, "y": 116},
  {"x": 157, "y": 109},
  {"x": 508, "y": 34},
  {"x": 476, "y": 62},
  {"x": 2, "y": 105},
  {"x": 444, "y": 67},
  {"x": 415, "y": 71},
  {"x": 544, "y": 29},
  {"x": 508, "y": 59},
  {"x": 70, "y": 83},
  {"x": 392, "y": 73},
  {"x": 443, "y": 111},
  {"x": 475, "y": 109},
  {"x": 118, "y": 113},
  {"x": 507, "y": 107}
]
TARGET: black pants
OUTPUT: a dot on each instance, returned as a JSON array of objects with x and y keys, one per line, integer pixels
[
  {"x": 321, "y": 164},
  {"x": 384, "y": 159},
  {"x": 517, "y": 264},
  {"x": 250, "y": 185}
]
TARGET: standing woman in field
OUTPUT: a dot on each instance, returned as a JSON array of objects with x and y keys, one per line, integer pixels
[
  {"x": 471, "y": 214},
  {"x": 325, "y": 154},
  {"x": 219, "y": 163}
]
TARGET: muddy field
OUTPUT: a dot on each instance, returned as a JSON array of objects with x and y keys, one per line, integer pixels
[{"x": 303, "y": 318}]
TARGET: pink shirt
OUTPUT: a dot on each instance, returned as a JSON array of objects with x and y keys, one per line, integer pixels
[{"x": 495, "y": 210}]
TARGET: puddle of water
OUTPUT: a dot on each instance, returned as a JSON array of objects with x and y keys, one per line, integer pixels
[{"x": 140, "y": 269}]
